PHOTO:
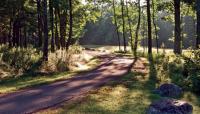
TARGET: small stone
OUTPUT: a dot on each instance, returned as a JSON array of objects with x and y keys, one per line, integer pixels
[
  {"x": 169, "y": 90},
  {"x": 170, "y": 106}
]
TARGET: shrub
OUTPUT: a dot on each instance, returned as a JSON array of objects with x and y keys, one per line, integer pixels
[
  {"x": 20, "y": 59},
  {"x": 61, "y": 60},
  {"x": 192, "y": 70},
  {"x": 181, "y": 70}
]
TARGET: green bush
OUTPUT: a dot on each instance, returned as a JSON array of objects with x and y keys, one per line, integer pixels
[
  {"x": 181, "y": 70},
  {"x": 20, "y": 59},
  {"x": 192, "y": 70},
  {"x": 171, "y": 68}
]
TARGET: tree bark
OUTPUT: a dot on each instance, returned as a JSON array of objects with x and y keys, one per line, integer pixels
[
  {"x": 123, "y": 23},
  {"x": 20, "y": 37},
  {"x": 13, "y": 33},
  {"x": 177, "y": 40},
  {"x": 45, "y": 48},
  {"x": 16, "y": 33},
  {"x": 70, "y": 25},
  {"x": 25, "y": 38},
  {"x": 39, "y": 18},
  {"x": 10, "y": 33},
  {"x": 137, "y": 29},
  {"x": 155, "y": 27},
  {"x": 198, "y": 24},
  {"x": 129, "y": 24},
  {"x": 57, "y": 40},
  {"x": 63, "y": 23},
  {"x": 52, "y": 25},
  {"x": 116, "y": 24},
  {"x": 149, "y": 27}
]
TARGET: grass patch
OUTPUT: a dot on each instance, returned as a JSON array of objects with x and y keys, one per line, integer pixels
[
  {"x": 31, "y": 79},
  {"x": 14, "y": 84},
  {"x": 131, "y": 95}
]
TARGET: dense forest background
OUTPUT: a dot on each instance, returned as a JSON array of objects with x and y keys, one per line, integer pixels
[{"x": 103, "y": 33}]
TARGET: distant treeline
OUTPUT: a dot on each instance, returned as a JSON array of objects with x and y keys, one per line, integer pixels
[{"x": 103, "y": 33}]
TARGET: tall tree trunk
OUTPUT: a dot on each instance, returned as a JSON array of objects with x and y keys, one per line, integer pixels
[
  {"x": 70, "y": 25},
  {"x": 143, "y": 31},
  {"x": 137, "y": 29},
  {"x": 14, "y": 33},
  {"x": 149, "y": 27},
  {"x": 129, "y": 23},
  {"x": 155, "y": 27},
  {"x": 10, "y": 33},
  {"x": 45, "y": 48},
  {"x": 123, "y": 23},
  {"x": 52, "y": 25},
  {"x": 20, "y": 37},
  {"x": 115, "y": 19},
  {"x": 177, "y": 40},
  {"x": 17, "y": 33},
  {"x": 25, "y": 38},
  {"x": 198, "y": 24},
  {"x": 39, "y": 18},
  {"x": 63, "y": 23},
  {"x": 57, "y": 41}
]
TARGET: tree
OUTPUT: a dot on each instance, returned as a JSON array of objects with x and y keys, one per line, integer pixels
[
  {"x": 149, "y": 27},
  {"x": 123, "y": 24},
  {"x": 177, "y": 40},
  {"x": 39, "y": 19},
  {"x": 63, "y": 24},
  {"x": 45, "y": 47},
  {"x": 154, "y": 22},
  {"x": 137, "y": 29},
  {"x": 70, "y": 25},
  {"x": 57, "y": 39},
  {"x": 116, "y": 24},
  {"x": 129, "y": 24},
  {"x": 51, "y": 11},
  {"x": 198, "y": 24}
]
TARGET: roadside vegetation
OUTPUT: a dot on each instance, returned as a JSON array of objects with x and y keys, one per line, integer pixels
[
  {"x": 22, "y": 68},
  {"x": 134, "y": 92}
]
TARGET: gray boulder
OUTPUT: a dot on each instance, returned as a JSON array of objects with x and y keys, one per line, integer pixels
[
  {"x": 169, "y": 90},
  {"x": 170, "y": 106}
]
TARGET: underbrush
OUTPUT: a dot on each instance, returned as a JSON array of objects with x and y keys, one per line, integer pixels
[
  {"x": 183, "y": 70},
  {"x": 21, "y": 68},
  {"x": 62, "y": 60},
  {"x": 20, "y": 60}
]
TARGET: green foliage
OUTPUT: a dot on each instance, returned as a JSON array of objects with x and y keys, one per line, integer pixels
[
  {"x": 192, "y": 70},
  {"x": 20, "y": 59},
  {"x": 28, "y": 61},
  {"x": 181, "y": 70},
  {"x": 170, "y": 68}
]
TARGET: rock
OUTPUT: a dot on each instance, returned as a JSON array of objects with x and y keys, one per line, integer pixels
[
  {"x": 169, "y": 90},
  {"x": 170, "y": 106}
]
